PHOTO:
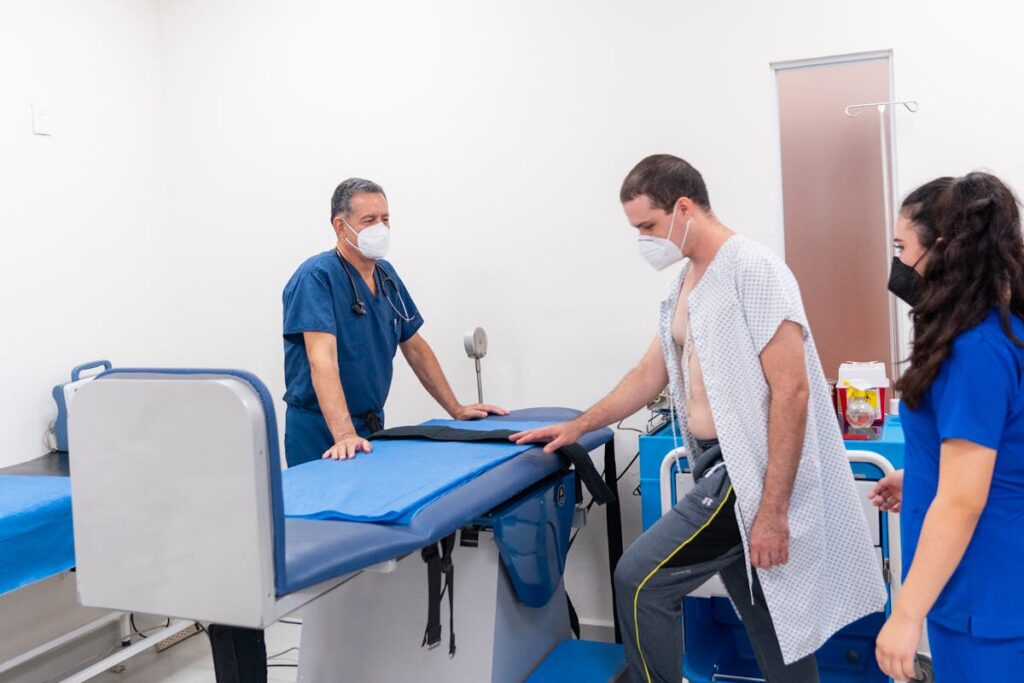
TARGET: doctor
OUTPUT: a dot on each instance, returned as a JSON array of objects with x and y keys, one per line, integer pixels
[{"x": 346, "y": 312}]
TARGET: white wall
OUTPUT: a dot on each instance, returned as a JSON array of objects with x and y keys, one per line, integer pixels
[
  {"x": 81, "y": 211},
  {"x": 501, "y": 133}
]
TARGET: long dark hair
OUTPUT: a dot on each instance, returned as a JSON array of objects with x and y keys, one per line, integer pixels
[{"x": 971, "y": 229}]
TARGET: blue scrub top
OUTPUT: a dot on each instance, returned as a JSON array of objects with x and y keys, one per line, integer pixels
[
  {"x": 319, "y": 298},
  {"x": 976, "y": 397}
]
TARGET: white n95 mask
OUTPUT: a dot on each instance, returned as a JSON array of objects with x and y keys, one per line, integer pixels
[
  {"x": 662, "y": 252},
  {"x": 372, "y": 242}
]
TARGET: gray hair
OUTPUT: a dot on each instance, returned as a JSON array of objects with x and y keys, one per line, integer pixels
[{"x": 341, "y": 202}]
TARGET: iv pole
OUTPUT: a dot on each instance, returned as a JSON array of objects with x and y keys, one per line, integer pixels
[{"x": 853, "y": 111}]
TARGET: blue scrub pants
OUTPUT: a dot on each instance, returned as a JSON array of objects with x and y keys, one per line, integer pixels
[
  {"x": 959, "y": 656},
  {"x": 306, "y": 436}
]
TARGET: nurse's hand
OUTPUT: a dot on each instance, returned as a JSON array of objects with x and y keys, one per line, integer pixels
[
  {"x": 896, "y": 647},
  {"x": 347, "y": 447},
  {"x": 888, "y": 493},
  {"x": 477, "y": 411},
  {"x": 555, "y": 436}
]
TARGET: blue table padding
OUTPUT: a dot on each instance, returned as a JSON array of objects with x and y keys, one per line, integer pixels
[
  {"x": 393, "y": 482},
  {"x": 36, "y": 539},
  {"x": 317, "y": 550},
  {"x": 580, "y": 661}
]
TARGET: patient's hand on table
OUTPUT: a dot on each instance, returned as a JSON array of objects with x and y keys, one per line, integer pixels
[
  {"x": 555, "y": 436},
  {"x": 477, "y": 411},
  {"x": 347, "y": 447}
]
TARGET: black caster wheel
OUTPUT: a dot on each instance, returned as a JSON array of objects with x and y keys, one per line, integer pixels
[{"x": 924, "y": 663}]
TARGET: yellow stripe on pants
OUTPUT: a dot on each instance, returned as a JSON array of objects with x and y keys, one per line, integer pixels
[{"x": 636, "y": 596}]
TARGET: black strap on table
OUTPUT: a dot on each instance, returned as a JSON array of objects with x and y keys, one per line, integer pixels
[
  {"x": 574, "y": 453},
  {"x": 574, "y": 618},
  {"x": 438, "y": 557}
]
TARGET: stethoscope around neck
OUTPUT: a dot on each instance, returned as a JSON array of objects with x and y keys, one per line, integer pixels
[{"x": 383, "y": 277}]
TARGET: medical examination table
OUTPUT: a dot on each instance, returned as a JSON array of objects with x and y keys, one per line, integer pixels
[
  {"x": 36, "y": 546},
  {"x": 180, "y": 509}
]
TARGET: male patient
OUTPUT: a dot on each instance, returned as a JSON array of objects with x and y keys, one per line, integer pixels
[{"x": 773, "y": 510}]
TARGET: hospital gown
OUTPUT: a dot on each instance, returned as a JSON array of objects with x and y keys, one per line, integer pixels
[{"x": 833, "y": 575}]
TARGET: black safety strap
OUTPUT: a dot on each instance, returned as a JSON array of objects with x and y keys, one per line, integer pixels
[
  {"x": 438, "y": 557},
  {"x": 239, "y": 654},
  {"x": 574, "y": 618},
  {"x": 574, "y": 453}
]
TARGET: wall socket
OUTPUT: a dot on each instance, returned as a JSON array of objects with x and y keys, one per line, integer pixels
[{"x": 40, "y": 119}]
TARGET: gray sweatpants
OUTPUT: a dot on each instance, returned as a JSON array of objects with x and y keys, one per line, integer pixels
[{"x": 695, "y": 540}]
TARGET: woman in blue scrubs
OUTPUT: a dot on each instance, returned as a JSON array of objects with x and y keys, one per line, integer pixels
[{"x": 961, "y": 269}]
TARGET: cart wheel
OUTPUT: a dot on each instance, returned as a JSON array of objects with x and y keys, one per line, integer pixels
[{"x": 927, "y": 670}]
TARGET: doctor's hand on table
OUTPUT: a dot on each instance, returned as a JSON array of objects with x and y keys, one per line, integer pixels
[
  {"x": 346, "y": 447},
  {"x": 555, "y": 436},
  {"x": 888, "y": 493},
  {"x": 475, "y": 411}
]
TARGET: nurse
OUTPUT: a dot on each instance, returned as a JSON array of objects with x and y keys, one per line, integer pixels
[
  {"x": 346, "y": 313},
  {"x": 961, "y": 269}
]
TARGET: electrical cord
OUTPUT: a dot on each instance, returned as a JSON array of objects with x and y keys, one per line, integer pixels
[
  {"x": 144, "y": 634},
  {"x": 593, "y": 502},
  {"x": 651, "y": 428},
  {"x": 288, "y": 665},
  {"x": 619, "y": 426}
]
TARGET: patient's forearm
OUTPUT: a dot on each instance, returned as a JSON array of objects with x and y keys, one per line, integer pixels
[{"x": 635, "y": 391}]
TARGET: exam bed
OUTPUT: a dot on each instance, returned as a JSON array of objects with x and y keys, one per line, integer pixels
[
  {"x": 181, "y": 508},
  {"x": 36, "y": 546}
]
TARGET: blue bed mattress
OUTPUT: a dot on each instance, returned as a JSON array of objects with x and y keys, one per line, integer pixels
[{"x": 36, "y": 539}]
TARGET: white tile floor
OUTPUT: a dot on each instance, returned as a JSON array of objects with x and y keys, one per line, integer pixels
[{"x": 190, "y": 661}]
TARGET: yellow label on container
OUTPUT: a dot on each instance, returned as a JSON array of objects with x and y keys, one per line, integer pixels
[{"x": 872, "y": 396}]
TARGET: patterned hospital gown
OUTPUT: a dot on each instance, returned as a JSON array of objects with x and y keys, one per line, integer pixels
[{"x": 833, "y": 575}]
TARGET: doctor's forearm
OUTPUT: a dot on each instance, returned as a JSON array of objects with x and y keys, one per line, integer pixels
[
  {"x": 331, "y": 398},
  {"x": 428, "y": 371},
  {"x": 787, "y": 424}
]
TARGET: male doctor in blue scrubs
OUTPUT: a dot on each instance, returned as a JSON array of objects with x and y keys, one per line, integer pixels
[{"x": 346, "y": 313}]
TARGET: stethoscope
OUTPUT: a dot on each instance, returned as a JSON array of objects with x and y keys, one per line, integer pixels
[{"x": 383, "y": 279}]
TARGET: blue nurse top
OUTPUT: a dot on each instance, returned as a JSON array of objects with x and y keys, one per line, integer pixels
[
  {"x": 319, "y": 298},
  {"x": 977, "y": 397}
]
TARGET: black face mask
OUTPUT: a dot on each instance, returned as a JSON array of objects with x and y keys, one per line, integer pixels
[{"x": 905, "y": 282}]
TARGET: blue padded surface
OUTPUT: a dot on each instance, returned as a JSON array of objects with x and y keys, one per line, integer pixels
[
  {"x": 36, "y": 538},
  {"x": 580, "y": 661},
  {"x": 318, "y": 550},
  {"x": 393, "y": 482}
]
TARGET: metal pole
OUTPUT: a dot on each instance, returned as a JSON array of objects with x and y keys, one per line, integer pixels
[
  {"x": 887, "y": 192},
  {"x": 479, "y": 383}
]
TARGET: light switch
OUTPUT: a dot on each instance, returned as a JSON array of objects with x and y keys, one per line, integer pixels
[{"x": 40, "y": 119}]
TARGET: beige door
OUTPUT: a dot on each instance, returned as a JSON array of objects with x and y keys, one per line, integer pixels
[{"x": 834, "y": 207}]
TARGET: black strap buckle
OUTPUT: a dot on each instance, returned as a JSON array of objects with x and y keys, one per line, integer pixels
[{"x": 439, "y": 561}]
